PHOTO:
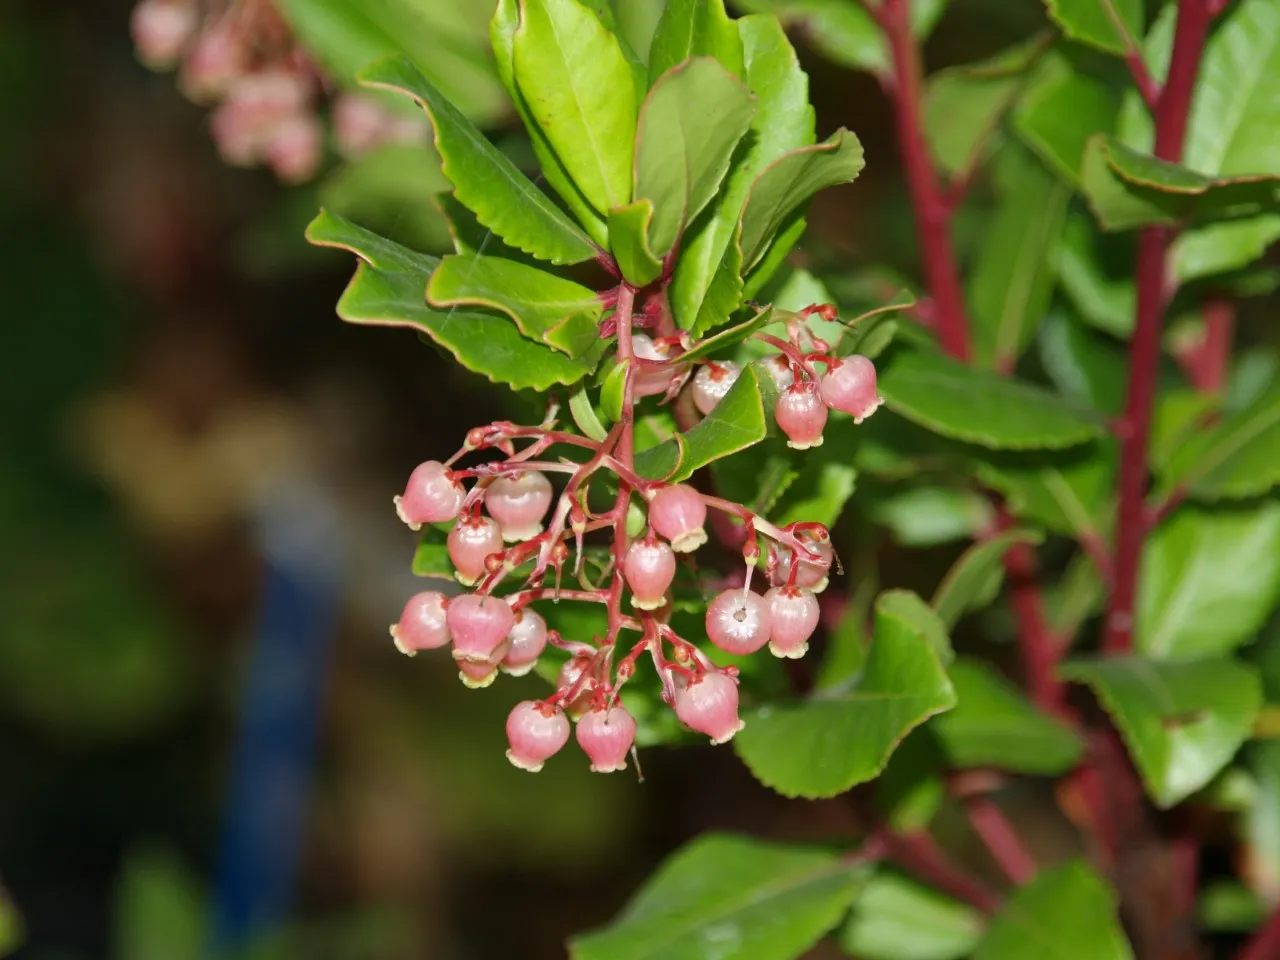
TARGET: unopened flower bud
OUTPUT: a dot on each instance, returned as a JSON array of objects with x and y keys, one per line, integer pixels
[
  {"x": 679, "y": 513},
  {"x": 850, "y": 386},
  {"x": 649, "y": 568},
  {"x": 536, "y": 732},
  {"x": 519, "y": 503},
  {"x": 423, "y": 624},
  {"x": 709, "y": 705},
  {"x": 801, "y": 415},
  {"x": 431, "y": 496},
  {"x": 738, "y": 621},
  {"x": 606, "y": 736},
  {"x": 793, "y": 616}
]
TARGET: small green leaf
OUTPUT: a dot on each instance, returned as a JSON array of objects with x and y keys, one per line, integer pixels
[
  {"x": 1238, "y": 458},
  {"x": 1104, "y": 301},
  {"x": 689, "y": 128},
  {"x": 584, "y": 415},
  {"x": 791, "y": 180},
  {"x": 963, "y": 403},
  {"x": 1209, "y": 580},
  {"x": 488, "y": 183},
  {"x": 536, "y": 300},
  {"x": 1067, "y": 913},
  {"x": 389, "y": 289},
  {"x": 1060, "y": 111},
  {"x": 629, "y": 242},
  {"x": 612, "y": 391},
  {"x": 1086, "y": 366},
  {"x": 1218, "y": 248},
  {"x": 898, "y": 919},
  {"x": 818, "y": 494},
  {"x": 1182, "y": 722},
  {"x": 732, "y": 898},
  {"x": 994, "y": 725},
  {"x": 736, "y": 423},
  {"x": 577, "y": 85},
  {"x": 695, "y": 28},
  {"x": 1113, "y": 26},
  {"x": 1013, "y": 277},
  {"x": 730, "y": 336},
  {"x": 1230, "y": 906},
  {"x": 926, "y": 516},
  {"x": 823, "y": 746},
  {"x": 707, "y": 286},
  {"x": 967, "y": 585},
  {"x": 431, "y": 558},
  {"x": 908, "y": 607}
]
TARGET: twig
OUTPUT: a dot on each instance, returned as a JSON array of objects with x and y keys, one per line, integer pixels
[
  {"x": 919, "y": 854},
  {"x": 1006, "y": 847}
]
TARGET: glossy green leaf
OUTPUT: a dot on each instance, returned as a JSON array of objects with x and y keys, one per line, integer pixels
[
  {"x": 1086, "y": 366},
  {"x": 484, "y": 179},
  {"x": 895, "y": 918},
  {"x": 1209, "y": 580},
  {"x": 539, "y": 302},
  {"x": 730, "y": 336},
  {"x": 822, "y": 746},
  {"x": 706, "y": 287},
  {"x": 1180, "y": 414},
  {"x": 431, "y": 558},
  {"x": 1114, "y": 26},
  {"x": 926, "y": 516},
  {"x": 1013, "y": 276},
  {"x": 1104, "y": 301},
  {"x": 909, "y": 608},
  {"x": 1060, "y": 111},
  {"x": 963, "y": 403},
  {"x": 443, "y": 39},
  {"x": 818, "y": 494},
  {"x": 612, "y": 391},
  {"x": 968, "y": 584},
  {"x": 1068, "y": 491},
  {"x": 1238, "y": 458},
  {"x": 1218, "y": 248},
  {"x": 577, "y": 85},
  {"x": 584, "y": 415},
  {"x": 502, "y": 32},
  {"x": 910, "y": 791},
  {"x": 689, "y": 128},
  {"x": 389, "y": 289},
  {"x": 736, "y": 423},
  {"x": 1066, "y": 913},
  {"x": 994, "y": 725},
  {"x": 629, "y": 242},
  {"x": 791, "y": 180},
  {"x": 695, "y": 28},
  {"x": 1182, "y": 722},
  {"x": 732, "y": 898}
]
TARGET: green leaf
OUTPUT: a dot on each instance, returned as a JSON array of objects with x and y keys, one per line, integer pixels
[
  {"x": 1067, "y": 913},
  {"x": 1209, "y": 579},
  {"x": 584, "y": 415},
  {"x": 689, "y": 128},
  {"x": 706, "y": 287},
  {"x": 898, "y": 919},
  {"x": 927, "y": 516},
  {"x": 160, "y": 909},
  {"x": 578, "y": 87},
  {"x": 823, "y": 746},
  {"x": 1060, "y": 111},
  {"x": 910, "y": 791},
  {"x": 1218, "y": 248},
  {"x": 968, "y": 585},
  {"x": 1076, "y": 597},
  {"x": 732, "y": 898},
  {"x": 1113, "y": 26},
  {"x": 695, "y": 28},
  {"x": 994, "y": 725},
  {"x": 791, "y": 180},
  {"x": 1087, "y": 367},
  {"x": 1104, "y": 301},
  {"x": 1260, "y": 828},
  {"x": 818, "y": 493},
  {"x": 1127, "y": 189},
  {"x": 502, "y": 32},
  {"x": 1068, "y": 491},
  {"x": 736, "y": 423},
  {"x": 730, "y": 336},
  {"x": 389, "y": 287},
  {"x": 431, "y": 558},
  {"x": 484, "y": 179},
  {"x": 963, "y": 105},
  {"x": 1238, "y": 458},
  {"x": 612, "y": 391},
  {"x": 909, "y": 608},
  {"x": 538, "y": 302},
  {"x": 393, "y": 189},
  {"x": 1013, "y": 277},
  {"x": 963, "y": 403},
  {"x": 629, "y": 242},
  {"x": 1182, "y": 722},
  {"x": 1226, "y": 905}
]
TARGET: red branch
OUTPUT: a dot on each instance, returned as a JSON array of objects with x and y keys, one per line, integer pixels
[
  {"x": 1134, "y": 428},
  {"x": 919, "y": 854},
  {"x": 989, "y": 823},
  {"x": 1265, "y": 944}
]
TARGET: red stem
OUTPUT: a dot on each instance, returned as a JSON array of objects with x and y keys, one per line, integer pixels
[
  {"x": 1040, "y": 651},
  {"x": 1265, "y": 943},
  {"x": 1134, "y": 428},
  {"x": 919, "y": 854},
  {"x": 989, "y": 823},
  {"x": 1206, "y": 363}
]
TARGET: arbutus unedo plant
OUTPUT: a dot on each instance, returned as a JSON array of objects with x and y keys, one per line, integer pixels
[{"x": 708, "y": 408}]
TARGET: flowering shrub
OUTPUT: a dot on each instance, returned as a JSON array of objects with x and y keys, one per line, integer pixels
[{"x": 707, "y": 408}]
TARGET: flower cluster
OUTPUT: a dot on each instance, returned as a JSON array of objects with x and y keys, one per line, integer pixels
[
  {"x": 512, "y": 524},
  {"x": 268, "y": 93}
]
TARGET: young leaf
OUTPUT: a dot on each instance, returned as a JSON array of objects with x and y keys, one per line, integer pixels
[
  {"x": 1066, "y": 913},
  {"x": 695, "y": 28},
  {"x": 706, "y": 287},
  {"x": 791, "y": 180},
  {"x": 584, "y": 415},
  {"x": 736, "y": 423},
  {"x": 822, "y": 746},
  {"x": 577, "y": 85},
  {"x": 1013, "y": 278},
  {"x": 389, "y": 287},
  {"x": 629, "y": 242},
  {"x": 994, "y": 725},
  {"x": 536, "y": 300},
  {"x": 738, "y": 898},
  {"x": 502, "y": 197},
  {"x": 1114, "y": 26},
  {"x": 1209, "y": 580},
  {"x": 1182, "y": 722},
  {"x": 968, "y": 584},
  {"x": 963, "y": 403},
  {"x": 689, "y": 127},
  {"x": 502, "y": 33},
  {"x": 898, "y": 919},
  {"x": 1218, "y": 248}
]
